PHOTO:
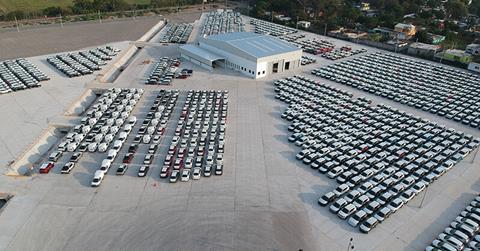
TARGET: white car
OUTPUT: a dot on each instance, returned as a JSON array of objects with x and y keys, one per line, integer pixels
[
  {"x": 196, "y": 173},
  {"x": 97, "y": 178},
  {"x": 106, "y": 163},
  {"x": 185, "y": 175},
  {"x": 67, "y": 168}
]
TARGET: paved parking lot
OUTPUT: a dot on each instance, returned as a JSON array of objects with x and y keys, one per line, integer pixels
[{"x": 265, "y": 199}]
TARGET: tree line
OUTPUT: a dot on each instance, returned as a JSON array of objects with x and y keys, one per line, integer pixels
[{"x": 79, "y": 7}]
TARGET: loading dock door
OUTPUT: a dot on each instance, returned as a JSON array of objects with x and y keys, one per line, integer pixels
[{"x": 275, "y": 67}]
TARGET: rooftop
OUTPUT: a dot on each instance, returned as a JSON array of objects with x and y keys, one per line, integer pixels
[
  {"x": 424, "y": 46},
  {"x": 256, "y": 45}
]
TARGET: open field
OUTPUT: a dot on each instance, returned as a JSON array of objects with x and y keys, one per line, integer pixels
[{"x": 37, "y": 5}]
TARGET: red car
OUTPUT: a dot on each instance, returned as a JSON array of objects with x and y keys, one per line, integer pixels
[
  {"x": 160, "y": 130},
  {"x": 46, "y": 167},
  {"x": 178, "y": 164},
  {"x": 128, "y": 158}
]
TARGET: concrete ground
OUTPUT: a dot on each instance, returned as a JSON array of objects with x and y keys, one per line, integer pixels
[
  {"x": 30, "y": 111},
  {"x": 265, "y": 200}
]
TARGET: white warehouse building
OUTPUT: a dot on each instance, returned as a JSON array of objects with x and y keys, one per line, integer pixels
[{"x": 252, "y": 54}]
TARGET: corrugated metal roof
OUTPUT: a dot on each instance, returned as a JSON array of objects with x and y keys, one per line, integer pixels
[
  {"x": 256, "y": 45},
  {"x": 207, "y": 55}
]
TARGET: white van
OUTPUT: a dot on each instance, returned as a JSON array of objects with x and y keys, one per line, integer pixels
[
  {"x": 98, "y": 138},
  {"x": 72, "y": 146},
  {"x": 104, "y": 129},
  {"x": 150, "y": 130},
  {"x": 115, "y": 115},
  {"x": 92, "y": 147},
  {"x": 112, "y": 153},
  {"x": 108, "y": 138},
  {"x": 63, "y": 146},
  {"x": 92, "y": 121},
  {"x": 127, "y": 128},
  {"x": 97, "y": 178},
  {"x": 79, "y": 137},
  {"x": 132, "y": 120},
  {"x": 113, "y": 129},
  {"x": 117, "y": 144},
  {"x": 106, "y": 163},
  {"x": 122, "y": 136},
  {"x": 86, "y": 129},
  {"x": 119, "y": 121},
  {"x": 70, "y": 135},
  {"x": 146, "y": 139},
  {"x": 102, "y": 147}
]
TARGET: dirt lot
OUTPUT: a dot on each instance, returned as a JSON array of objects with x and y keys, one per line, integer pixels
[
  {"x": 46, "y": 40},
  {"x": 54, "y": 39}
]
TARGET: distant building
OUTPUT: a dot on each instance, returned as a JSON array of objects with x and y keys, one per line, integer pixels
[
  {"x": 364, "y": 6},
  {"x": 251, "y": 54},
  {"x": 473, "y": 49},
  {"x": 385, "y": 32},
  {"x": 422, "y": 49},
  {"x": 304, "y": 24},
  {"x": 454, "y": 56},
  {"x": 283, "y": 18},
  {"x": 474, "y": 66},
  {"x": 405, "y": 31}
]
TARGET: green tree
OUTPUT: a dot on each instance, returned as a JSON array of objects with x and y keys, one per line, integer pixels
[
  {"x": 422, "y": 36},
  {"x": 455, "y": 9}
]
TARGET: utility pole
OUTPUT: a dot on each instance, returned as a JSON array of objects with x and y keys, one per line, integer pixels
[
  {"x": 16, "y": 24},
  {"x": 134, "y": 11}
]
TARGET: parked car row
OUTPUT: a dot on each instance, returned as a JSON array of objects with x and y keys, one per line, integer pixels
[
  {"x": 163, "y": 72},
  {"x": 198, "y": 143},
  {"x": 342, "y": 52},
  {"x": 150, "y": 132},
  {"x": 463, "y": 233},
  {"x": 100, "y": 125},
  {"x": 380, "y": 156},
  {"x": 315, "y": 46},
  {"x": 305, "y": 60},
  {"x": 446, "y": 92},
  {"x": 19, "y": 74},
  {"x": 268, "y": 28},
  {"x": 222, "y": 21},
  {"x": 84, "y": 62},
  {"x": 176, "y": 33}
]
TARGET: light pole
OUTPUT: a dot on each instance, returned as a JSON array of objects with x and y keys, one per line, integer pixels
[
  {"x": 16, "y": 24},
  {"x": 350, "y": 244}
]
